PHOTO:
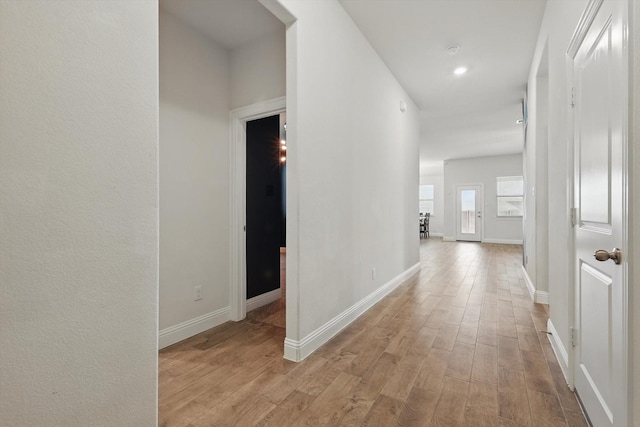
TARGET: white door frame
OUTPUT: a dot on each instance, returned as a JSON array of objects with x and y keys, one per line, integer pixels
[
  {"x": 237, "y": 192},
  {"x": 586, "y": 20},
  {"x": 457, "y": 219}
]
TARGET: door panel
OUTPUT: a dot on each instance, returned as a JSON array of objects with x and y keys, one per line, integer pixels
[
  {"x": 469, "y": 213},
  {"x": 596, "y": 313},
  {"x": 264, "y": 208},
  {"x": 594, "y": 132},
  {"x": 600, "y": 313}
]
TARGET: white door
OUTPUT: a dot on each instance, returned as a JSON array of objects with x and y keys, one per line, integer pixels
[
  {"x": 600, "y": 324},
  {"x": 469, "y": 213}
]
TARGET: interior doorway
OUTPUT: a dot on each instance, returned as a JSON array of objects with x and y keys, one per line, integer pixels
[
  {"x": 599, "y": 337},
  {"x": 265, "y": 208},
  {"x": 241, "y": 300}
]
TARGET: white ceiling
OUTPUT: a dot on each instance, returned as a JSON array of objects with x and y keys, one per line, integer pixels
[
  {"x": 231, "y": 23},
  {"x": 461, "y": 116}
]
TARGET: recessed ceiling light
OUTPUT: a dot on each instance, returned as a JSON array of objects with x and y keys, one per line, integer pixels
[{"x": 460, "y": 71}]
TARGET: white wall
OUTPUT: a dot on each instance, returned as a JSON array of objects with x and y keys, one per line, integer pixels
[
  {"x": 78, "y": 213},
  {"x": 200, "y": 82},
  {"x": 352, "y": 168},
  {"x": 536, "y": 157},
  {"x": 258, "y": 70},
  {"x": 482, "y": 170},
  {"x": 557, "y": 28},
  {"x": 436, "y": 221},
  {"x": 194, "y": 177},
  {"x": 634, "y": 193}
]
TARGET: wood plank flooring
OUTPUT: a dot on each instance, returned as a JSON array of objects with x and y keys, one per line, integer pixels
[{"x": 458, "y": 345}]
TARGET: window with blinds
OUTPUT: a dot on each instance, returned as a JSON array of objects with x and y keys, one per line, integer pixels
[
  {"x": 426, "y": 199},
  {"x": 510, "y": 196}
]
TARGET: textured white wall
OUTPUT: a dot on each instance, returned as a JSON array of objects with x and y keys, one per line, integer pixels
[
  {"x": 482, "y": 170},
  {"x": 78, "y": 213},
  {"x": 353, "y": 175},
  {"x": 257, "y": 71},
  {"x": 194, "y": 173}
]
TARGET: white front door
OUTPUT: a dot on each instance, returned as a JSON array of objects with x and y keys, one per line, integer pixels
[
  {"x": 469, "y": 213},
  {"x": 600, "y": 324}
]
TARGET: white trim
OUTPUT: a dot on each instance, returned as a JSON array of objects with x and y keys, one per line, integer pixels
[
  {"x": 299, "y": 350},
  {"x": 237, "y": 162},
  {"x": 558, "y": 349},
  {"x": 587, "y": 18},
  {"x": 436, "y": 234},
  {"x": 540, "y": 297},
  {"x": 448, "y": 239},
  {"x": 263, "y": 299},
  {"x": 529, "y": 283},
  {"x": 184, "y": 330},
  {"x": 503, "y": 241}
]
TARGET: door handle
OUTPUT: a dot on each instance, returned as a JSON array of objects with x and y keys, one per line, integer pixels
[{"x": 602, "y": 255}]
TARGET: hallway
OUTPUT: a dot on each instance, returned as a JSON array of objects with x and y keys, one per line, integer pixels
[{"x": 459, "y": 344}]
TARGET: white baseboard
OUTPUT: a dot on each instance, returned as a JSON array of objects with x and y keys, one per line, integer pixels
[
  {"x": 541, "y": 297},
  {"x": 559, "y": 350},
  {"x": 529, "y": 283},
  {"x": 503, "y": 241},
  {"x": 448, "y": 239},
  {"x": 184, "y": 330},
  {"x": 436, "y": 234},
  {"x": 299, "y": 350},
  {"x": 264, "y": 299}
]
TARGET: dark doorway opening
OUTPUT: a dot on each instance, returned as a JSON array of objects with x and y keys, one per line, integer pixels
[{"x": 264, "y": 204}]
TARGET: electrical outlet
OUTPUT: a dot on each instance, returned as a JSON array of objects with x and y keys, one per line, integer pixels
[
  {"x": 197, "y": 293},
  {"x": 373, "y": 274}
]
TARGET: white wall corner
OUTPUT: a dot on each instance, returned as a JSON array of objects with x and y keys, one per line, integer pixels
[
  {"x": 184, "y": 330},
  {"x": 264, "y": 299},
  {"x": 541, "y": 297},
  {"x": 299, "y": 350},
  {"x": 559, "y": 350},
  {"x": 529, "y": 283}
]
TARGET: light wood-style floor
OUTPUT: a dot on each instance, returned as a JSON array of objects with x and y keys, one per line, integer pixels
[{"x": 458, "y": 345}]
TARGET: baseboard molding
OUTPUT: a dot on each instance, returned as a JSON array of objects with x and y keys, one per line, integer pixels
[
  {"x": 264, "y": 299},
  {"x": 436, "y": 234},
  {"x": 529, "y": 283},
  {"x": 503, "y": 241},
  {"x": 559, "y": 350},
  {"x": 299, "y": 350},
  {"x": 184, "y": 330},
  {"x": 541, "y": 297},
  {"x": 448, "y": 239}
]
